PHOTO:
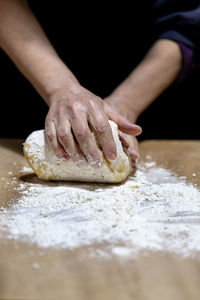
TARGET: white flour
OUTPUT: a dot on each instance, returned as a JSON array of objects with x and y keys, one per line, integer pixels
[{"x": 153, "y": 210}]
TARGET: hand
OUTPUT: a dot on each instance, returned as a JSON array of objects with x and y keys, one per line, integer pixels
[
  {"x": 131, "y": 143},
  {"x": 128, "y": 141},
  {"x": 72, "y": 117}
]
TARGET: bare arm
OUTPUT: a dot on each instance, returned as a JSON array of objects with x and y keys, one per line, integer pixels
[
  {"x": 23, "y": 39},
  {"x": 72, "y": 108},
  {"x": 149, "y": 79}
]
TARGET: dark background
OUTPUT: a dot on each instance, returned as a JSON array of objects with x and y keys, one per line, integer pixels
[{"x": 101, "y": 46}]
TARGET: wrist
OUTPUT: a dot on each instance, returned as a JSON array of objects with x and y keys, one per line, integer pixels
[
  {"x": 148, "y": 80},
  {"x": 62, "y": 90},
  {"x": 123, "y": 107}
]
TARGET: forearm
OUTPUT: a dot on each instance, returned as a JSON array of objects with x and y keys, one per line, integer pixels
[
  {"x": 22, "y": 38},
  {"x": 149, "y": 79}
]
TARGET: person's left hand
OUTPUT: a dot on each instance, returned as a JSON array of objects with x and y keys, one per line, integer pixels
[
  {"x": 128, "y": 141},
  {"x": 131, "y": 143}
]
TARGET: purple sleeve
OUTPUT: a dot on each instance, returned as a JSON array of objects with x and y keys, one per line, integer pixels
[{"x": 191, "y": 62}]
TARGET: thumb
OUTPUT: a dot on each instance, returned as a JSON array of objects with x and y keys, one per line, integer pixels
[{"x": 123, "y": 124}]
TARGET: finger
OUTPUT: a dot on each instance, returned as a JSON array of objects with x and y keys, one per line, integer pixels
[
  {"x": 66, "y": 139},
  {"x": 104, "y": 134},
  {"x": 50, "y": 132},
  {"x": 123, "y": 124},
  {"x": 123, "y": 138},
  {"x": 86, "y": 140},
  {"x": 131, "y": 144},
  {"x": 134, "y": 155},
  {"x": 134, "y": 158},
  {"x": 128, "y": 142}
]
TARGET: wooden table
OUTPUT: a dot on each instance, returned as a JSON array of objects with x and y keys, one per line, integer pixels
[{"x": 74, "y": 275}]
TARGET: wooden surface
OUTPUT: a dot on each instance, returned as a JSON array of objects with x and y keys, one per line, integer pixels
[{"x": 75, "y": 275}]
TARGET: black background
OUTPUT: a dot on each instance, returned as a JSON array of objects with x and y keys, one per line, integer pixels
[{"x": 101, "y": 46}]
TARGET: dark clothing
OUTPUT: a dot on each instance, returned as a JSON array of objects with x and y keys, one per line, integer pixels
[
  {"x": 102, "y": 45},
  {"x": 100, "y": 40},
  {"x": 179, "y": 20},
  {"x": 191, "y": 62}
]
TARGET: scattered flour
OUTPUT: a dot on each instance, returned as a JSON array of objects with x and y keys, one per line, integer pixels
[
  {"x": 25, "y": 169},
  {"x": 153, "y": 210}
]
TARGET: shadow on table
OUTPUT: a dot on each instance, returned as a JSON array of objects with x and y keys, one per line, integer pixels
[
  {"x": 90, "y": 186},
  {"x": 14, "y": 145}
]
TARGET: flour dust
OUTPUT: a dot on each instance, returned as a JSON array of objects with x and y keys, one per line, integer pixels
[{"x": 153, "y": 210}]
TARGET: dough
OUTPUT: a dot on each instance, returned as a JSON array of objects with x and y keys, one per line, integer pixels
[{"x": 48, "y": 167}]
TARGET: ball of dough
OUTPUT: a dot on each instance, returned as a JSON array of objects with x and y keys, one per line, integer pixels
[{"x": 47, "y": 166}]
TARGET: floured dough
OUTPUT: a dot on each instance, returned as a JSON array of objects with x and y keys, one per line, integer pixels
[{"x": 48, "y": 167}]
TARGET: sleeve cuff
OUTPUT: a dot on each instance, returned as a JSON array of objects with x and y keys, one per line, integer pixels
[
  {"x": 189, "y": 63},
  {"x": 190, "y": 54}
]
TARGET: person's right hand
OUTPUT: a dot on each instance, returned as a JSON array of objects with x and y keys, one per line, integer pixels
[{"x": 72, "y": 117}]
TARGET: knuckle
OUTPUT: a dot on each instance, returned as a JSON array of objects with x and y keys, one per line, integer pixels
[
  {"x": 61, "y": 109},
  {"x": 49, "y": 134},
  {"x": 103, "y": 127},
  {"x": 75, "y": 106},
  {"x": 82, "y": 133},
  {"x": 49, "y": 119},
  {"x": 95, "y": 104},
  {"x": 63, "y": 134},
  {"x": 74, "y": 110},
  {"x": 92, "y": 103}
]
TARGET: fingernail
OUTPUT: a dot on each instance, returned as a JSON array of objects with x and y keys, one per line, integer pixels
[
  {"x": 134, "y": 161},
  {"x": 138, "y": 155},
  {"x": 63, "y": 158},
  {"x": 134, "y": 153}
]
